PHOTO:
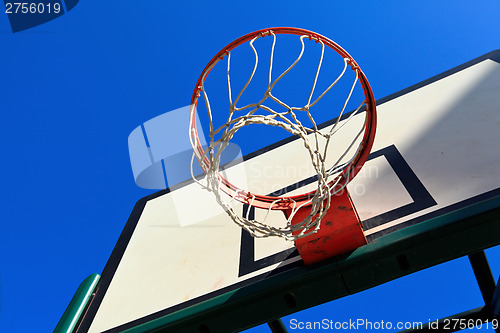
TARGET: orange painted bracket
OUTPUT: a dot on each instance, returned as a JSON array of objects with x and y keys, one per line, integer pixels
[{"x": 340, "y": 231}]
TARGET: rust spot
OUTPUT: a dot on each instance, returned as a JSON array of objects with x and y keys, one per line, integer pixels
[
  {"x": 313, "y": 241},
  {"x": 344, "y": 208},
  {"x": 320, "y": 252},
  {"x": 329, "y": 223}
]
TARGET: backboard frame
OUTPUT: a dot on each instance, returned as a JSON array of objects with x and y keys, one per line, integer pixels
[{"x": 431, "y": 239}]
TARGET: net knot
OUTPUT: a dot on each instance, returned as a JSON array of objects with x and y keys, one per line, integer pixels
[{"x": 352, "y": 63}]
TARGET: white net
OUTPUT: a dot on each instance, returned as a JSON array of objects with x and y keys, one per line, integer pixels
[{"x": 315, "y": 141}]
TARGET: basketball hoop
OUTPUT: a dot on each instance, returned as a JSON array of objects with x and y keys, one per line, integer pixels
[{"x": 331, "y": 179}]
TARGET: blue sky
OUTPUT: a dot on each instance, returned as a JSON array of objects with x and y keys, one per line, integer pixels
[{"x": 74, "y": 88}]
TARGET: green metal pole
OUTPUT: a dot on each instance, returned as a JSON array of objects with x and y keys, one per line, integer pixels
[{"x": 78, "y": 304}]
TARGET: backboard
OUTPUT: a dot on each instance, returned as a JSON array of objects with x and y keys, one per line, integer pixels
[{"x": 433, "y": 168}]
